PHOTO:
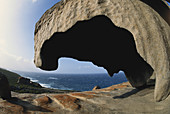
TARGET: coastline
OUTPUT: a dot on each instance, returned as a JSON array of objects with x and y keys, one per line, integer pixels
[{"x": 77, "y": 82}]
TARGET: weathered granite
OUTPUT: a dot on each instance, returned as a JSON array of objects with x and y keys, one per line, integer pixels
[
  {"x": 5, "y": 91},
  {"x": 117, "y": 99},
  {"x": 27, "y": 81},
  {"x": 151, "y": 34},
  {"x": 161, "y": 7}
]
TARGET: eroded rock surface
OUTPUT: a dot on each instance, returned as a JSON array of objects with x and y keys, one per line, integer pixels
[
  {"x": 135, "y": 38},
  {"x": 121, "y": 98}
]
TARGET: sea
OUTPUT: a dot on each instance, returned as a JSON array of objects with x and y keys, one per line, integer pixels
[{"x": 78, "y": 82}]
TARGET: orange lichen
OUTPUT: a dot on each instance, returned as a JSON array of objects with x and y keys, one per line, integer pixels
[
  {"x": 68, "y": 102},
  {"x": 82, "y": 95},
  {"x": 115, "y": 87},
  {"x": 42, "y": 100}
]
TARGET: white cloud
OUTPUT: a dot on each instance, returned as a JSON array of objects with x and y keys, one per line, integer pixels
[
  {"x": 14, "y": 62},
  {"x": 34, "y": 1},
  {"x": 11, "y": 36},
  {"x": 12, "y": 41}
]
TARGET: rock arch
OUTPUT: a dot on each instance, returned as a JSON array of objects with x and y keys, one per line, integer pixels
[
  {"x": 151, "y": 33},
  {"x": 98, "y": 40}
]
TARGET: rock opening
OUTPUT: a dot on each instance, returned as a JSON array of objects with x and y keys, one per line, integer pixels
[{"x": 98, "y": 40}]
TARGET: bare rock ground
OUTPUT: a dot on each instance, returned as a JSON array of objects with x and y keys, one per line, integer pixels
[{"x": 117, "y": 99}]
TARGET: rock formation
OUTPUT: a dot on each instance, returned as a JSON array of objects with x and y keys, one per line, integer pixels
[
  {"x": 26, "y": 81},
  {"x": 5, "y": 92},
  {"x": 128, "y": 35},
  {"x": 96, "y": 87},
  {"x": 22, "y": 80},
  {"x": 160, "y": 7}
]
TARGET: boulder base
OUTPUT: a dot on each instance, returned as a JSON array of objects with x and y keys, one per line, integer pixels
[{"x": 5, "y": 92}]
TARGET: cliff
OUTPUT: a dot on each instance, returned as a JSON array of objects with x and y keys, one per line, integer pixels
[{"x": 20, "y": 84}]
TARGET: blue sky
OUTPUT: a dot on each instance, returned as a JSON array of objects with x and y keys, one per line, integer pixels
[{"x": 17, "y": 20}]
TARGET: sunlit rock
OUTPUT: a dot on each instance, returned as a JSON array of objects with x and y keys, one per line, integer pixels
[{"x": 128, "y": 35}]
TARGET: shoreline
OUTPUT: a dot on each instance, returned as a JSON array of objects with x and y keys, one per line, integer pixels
[{"x": 71, "y": 81}]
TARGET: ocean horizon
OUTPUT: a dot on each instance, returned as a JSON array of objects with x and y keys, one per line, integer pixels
[{"x": 77, "y": 82}]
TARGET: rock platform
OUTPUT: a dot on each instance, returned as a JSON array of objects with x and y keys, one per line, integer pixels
[{"x": 116, "y": 99}]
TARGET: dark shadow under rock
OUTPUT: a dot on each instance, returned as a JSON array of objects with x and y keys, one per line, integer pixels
[
  {"x": 26, "y": 105},
  {"x": 140, "y": 92},
  {"x": 98, "y": 40}
]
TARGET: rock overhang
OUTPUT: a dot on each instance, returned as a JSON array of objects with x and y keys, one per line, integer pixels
[
  {"x": 126, "y": 14},
  {"x": 97, "y": 40}
]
